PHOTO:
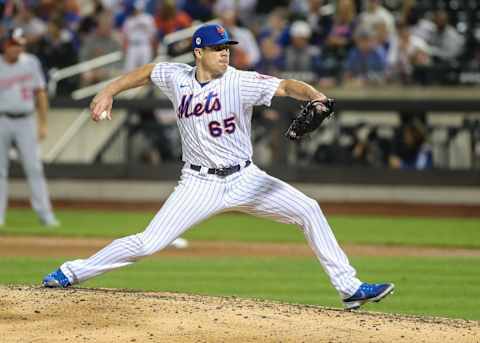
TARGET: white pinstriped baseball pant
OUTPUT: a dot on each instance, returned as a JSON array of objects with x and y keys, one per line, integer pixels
[{"x": 199, "y": 196}]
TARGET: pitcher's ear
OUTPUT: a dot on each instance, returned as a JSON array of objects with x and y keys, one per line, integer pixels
[{"x": 197, "y": 52}]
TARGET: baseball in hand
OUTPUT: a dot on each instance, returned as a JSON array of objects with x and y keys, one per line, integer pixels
[{"x": 103, "y": 115}]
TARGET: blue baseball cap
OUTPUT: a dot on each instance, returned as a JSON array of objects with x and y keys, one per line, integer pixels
[{"x": 211, "y": 35}]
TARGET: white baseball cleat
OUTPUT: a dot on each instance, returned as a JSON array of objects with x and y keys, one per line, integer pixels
[{"x": 179, "y": 243}]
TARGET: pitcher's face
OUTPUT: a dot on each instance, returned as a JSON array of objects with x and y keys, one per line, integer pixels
[{"x": 215, "y": 59}]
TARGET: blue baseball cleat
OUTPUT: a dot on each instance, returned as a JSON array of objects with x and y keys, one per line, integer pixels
[
  {"x": 368, "y": 292},
  {"x": 56, "y": 280}
]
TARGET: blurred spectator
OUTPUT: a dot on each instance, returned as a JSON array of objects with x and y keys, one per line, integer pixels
[
  {"x": 245, "y": 9},
  {"x": 57, "y": 50},
  {"x": 246, "y": 54},
  {"x": 340, "y": 36},
  {"x": 410, "y": 148},
  {"x": 298, "y": 9},
  {"x": 46, "y": 9},
  {"x": 414, "y": 57},
  {"x": 88, "y": 23},
  {"x": 434, "y": 52},
  {"x": 2, "y": 12},
  {"x": 199, "y": 9},
  {"x": 275, "y": 27},
  {"x": 375, "y": 13},
  {"x": 139, "y": 37},
  {"x": 151, "y": 6},
  {"x": 318, "y": 15},
  {"x": 369, "y": 148},
  {"x": 446, "y": 47},
  {"x": 33, "y": 27},
  {"x": 3, "y": 32},
  {"x": 7, "y": 8},
  {"x": 112, "y": 5},
  {"x": 339, "y": 41},
  {"x": 67, "y": 10},
  {"x": 267, "y": 6},
  {"x": 168, "y": 19},
  {"x": 100, "y": 42},
  {"x": 272, "y": 39},
  {"x": 446, "y": 43},
  {"x": 470, "y": 58},
  {"x": 411, "y": 12},
  {"x": 70, "y": 10},
  {"x": 300, "y": 55},
  {"x": 366, "y": 62},
  {"x": 388, "y": 42},
  {"x": 272, "y": 61},
  {"x": 126, "y": 10}
]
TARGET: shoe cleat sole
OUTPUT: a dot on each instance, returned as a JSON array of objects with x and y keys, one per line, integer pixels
[{"x": 357, "y": 304}]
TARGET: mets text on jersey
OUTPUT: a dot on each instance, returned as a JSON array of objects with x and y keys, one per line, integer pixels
[{"x": 211, "y": 104}]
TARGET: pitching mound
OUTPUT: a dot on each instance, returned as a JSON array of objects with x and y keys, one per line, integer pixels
[{"x": 33, "y": 314}]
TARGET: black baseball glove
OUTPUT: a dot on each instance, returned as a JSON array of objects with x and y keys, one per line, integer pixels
[{"x": 310, "y": 117}]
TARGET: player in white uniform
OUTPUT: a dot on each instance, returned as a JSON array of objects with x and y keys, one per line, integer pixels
[
  {"x": 22, "y": 92},
  {"x": 214, "y": 110}
]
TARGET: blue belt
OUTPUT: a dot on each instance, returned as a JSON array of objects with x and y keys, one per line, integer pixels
[{"x": 225, "y": 171}]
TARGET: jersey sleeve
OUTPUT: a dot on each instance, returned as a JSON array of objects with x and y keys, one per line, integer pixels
[
  {"x": 162, "y": 77},
  {"x": 257, "y": 89},
  {"x": 38, "y": 77}
]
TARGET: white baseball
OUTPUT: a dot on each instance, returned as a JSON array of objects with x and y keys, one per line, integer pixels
[{"x": 103, "y": 115}]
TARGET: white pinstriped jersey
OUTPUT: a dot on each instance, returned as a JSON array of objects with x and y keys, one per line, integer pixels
[{"x": 214, "y": 120}]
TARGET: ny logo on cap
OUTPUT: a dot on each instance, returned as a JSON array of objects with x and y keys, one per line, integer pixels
[{"x": 221, "y": 31}]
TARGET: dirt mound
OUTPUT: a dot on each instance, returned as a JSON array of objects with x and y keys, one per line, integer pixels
[{"x": 33, "y": 314}]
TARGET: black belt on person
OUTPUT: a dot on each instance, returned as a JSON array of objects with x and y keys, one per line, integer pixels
[
  {"x": 225, "y": 171},
  {"x": 12, "y": 115}
]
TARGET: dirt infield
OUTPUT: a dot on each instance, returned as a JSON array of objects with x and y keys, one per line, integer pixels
[{"x": 32, "y": 314}]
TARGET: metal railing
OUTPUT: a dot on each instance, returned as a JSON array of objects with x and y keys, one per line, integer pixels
[
  {"x": 56, "y": 75},
  {"x": 88, "y": 91}
]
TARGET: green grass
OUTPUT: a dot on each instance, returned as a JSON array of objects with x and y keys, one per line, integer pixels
[
  {"x": 425, "y": 286},
  {"x": 445, "y": 232}
]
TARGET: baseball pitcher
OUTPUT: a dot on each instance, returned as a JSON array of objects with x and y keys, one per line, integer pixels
[
  {"x": 214, "y": 102},
  {"x": 22, "y": 93}
]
